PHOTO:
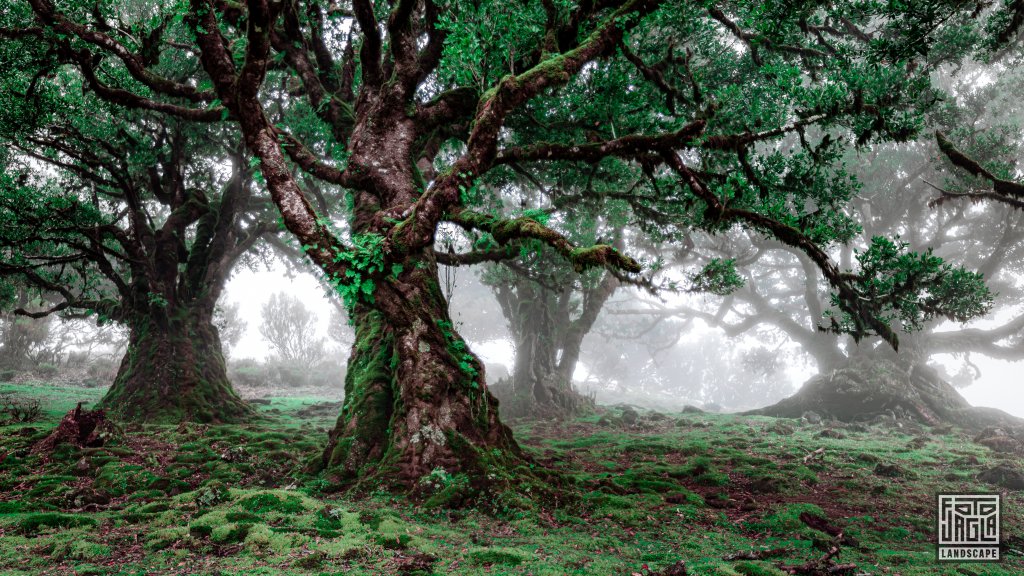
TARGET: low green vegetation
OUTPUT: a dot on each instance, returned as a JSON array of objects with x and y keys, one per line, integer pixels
[{"x": 727, "y": 495}]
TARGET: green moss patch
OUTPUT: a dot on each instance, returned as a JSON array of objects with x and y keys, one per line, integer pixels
[
  {"x": 271, "y": 502},
  {"x": 495, "y": 557},
  {"x": 35, "y": 523},
  {"x": 211, "y": 499}
]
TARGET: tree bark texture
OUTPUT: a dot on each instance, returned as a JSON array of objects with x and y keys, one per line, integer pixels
[
  {"x": 415, "y": 396},
  {"x": 174, "y": 371}
]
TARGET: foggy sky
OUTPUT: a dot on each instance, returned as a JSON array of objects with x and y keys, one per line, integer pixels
[{"x": 1000, "y": 386}]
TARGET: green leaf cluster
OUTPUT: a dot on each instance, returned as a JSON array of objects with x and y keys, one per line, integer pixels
[{"x": 363, "y": 265}]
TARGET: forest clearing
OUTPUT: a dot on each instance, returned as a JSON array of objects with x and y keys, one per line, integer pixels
[
  {"x": 611, "y": 287},
  {"x": 638, "y": 493}
]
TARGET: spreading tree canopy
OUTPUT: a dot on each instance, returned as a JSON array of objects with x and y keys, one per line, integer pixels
[
  {"x": 907, "y": 191},
  {"x": 128, "y": 216},
  {"x": 413, "y": 106}
]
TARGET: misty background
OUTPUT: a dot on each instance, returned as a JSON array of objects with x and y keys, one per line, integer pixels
[
  {"x": 730, "y": 350},
  {"x": 1000, "y": 384}
]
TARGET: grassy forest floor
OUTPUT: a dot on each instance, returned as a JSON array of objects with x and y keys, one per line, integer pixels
[{"x": 729, "y": 495}]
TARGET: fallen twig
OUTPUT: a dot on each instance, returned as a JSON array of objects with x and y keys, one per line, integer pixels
[
  {"x": 822, "y": 565},
  {"x": 813, "y": 455}
]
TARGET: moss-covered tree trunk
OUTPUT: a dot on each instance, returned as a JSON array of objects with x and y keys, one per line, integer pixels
[
  {"x": 541, "y": 385},
  {"x": 174, "y": 371},
  {"x": 415, "y": 396},
  {"x": 549, "y": 329}
]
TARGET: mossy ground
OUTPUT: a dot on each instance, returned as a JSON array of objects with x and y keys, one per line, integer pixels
[{"x": 198, "y": 499}]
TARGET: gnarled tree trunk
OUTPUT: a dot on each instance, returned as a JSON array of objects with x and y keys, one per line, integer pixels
[
  {"x": 174, "y": 371},
  {"x": 548, "y": 341},
  {"x": 541, "y": 384},
  {"x": 415, "y": 396}
]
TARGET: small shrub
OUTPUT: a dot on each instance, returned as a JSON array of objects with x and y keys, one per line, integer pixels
[
  {"x": 14, "y": 410},
  {"x": 47, "y": 370}
]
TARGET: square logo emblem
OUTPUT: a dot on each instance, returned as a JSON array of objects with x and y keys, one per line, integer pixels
[{"x": 968, "y": 528}]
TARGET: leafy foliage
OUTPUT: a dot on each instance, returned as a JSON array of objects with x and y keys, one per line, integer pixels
[
  {"x": 718, "y": 277},
  {"x": 770, "y": 145},
  {"x": 890, "y": 275},
  {"x": 362, "y": 264},
  {"x": 742, "y": 121}
]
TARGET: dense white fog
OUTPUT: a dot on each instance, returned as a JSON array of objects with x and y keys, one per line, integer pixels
[{"x": 999, "y": 386}]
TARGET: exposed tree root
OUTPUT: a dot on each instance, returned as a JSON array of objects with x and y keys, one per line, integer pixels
[
  {"x": 82, "y": 428},
  {"x": 866, "y": 390}
]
